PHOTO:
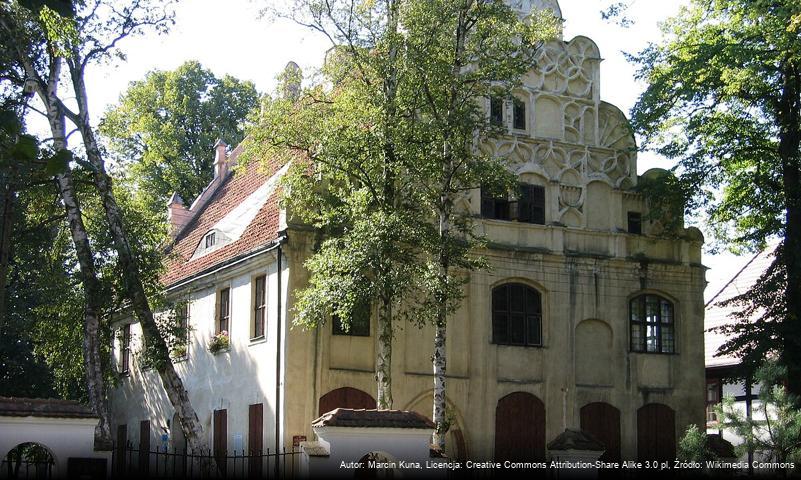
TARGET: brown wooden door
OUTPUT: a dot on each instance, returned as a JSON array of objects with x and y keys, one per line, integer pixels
[
  {"x": 220, "y": 439},
  {"x": 144, "y": 447},
  {"x": 255, "y": 438},
  {"x": 122, "y": 448},
  {"x": 520, "y": 428},
  {"x": 656, "y": 432},
  {"x": 603, "y": 422},
  {"x": 345, "y": 397}
]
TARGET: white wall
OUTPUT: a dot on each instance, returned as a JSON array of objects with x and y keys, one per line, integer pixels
[
  {"x": 232, "y": 380},
  {"x": 64, "y": 437}
]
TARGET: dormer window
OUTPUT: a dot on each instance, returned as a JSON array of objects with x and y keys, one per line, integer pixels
[{"x": 211, "y": 239}]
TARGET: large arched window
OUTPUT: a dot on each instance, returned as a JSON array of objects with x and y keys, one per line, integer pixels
[
  {"x": 516, "y": 315},
  {"x": 652, "y": 324}
]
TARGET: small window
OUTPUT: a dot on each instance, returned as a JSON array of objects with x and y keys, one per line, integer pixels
[
  {"x": 211, "y": 239},
  {"x": 125, "y": 350},
  {"x": 528, "y": 208},
  {"x": 496, "y": 208},
  {"x": 635, "y": 223},
  {"x": 519, "y": 114},
  {"x": 259, "y": 306},
  {"x": 516, "y": 315},
  {"x": 652, "y": 325},
  {"x": 224, "y": 314},
  {"x": 359, "y": 325},
  {"x": 496, "y": 111}
]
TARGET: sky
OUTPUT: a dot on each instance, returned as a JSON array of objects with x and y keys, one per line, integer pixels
[{"x": 230, "y": 37}]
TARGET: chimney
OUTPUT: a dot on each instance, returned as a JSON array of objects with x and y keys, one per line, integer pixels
[
  {"x": 220, "y": 159},
  {"x": 292, "y": 78},
  {"x": 177, "y": 214}
]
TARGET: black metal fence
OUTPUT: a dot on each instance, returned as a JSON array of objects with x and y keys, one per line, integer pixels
[
  {"x": 21, "y": 468},
  {"x": 130, "y": 461}
]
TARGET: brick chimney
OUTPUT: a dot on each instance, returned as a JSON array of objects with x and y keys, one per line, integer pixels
[
  {"x": 220, "y": 159},
  {"x": 177, "y": 214}
]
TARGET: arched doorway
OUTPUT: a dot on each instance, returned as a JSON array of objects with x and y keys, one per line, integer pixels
[
  {"x": 520, "y": 427},
  {"x": 603, "y": 421},
  {"x": 656, "y": 432},
  {"x": 345, "y": 397},
  {"x": 28, "y": 460}
]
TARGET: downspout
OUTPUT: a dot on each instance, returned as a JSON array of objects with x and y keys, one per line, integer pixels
[{"x": 281, "y": 240}]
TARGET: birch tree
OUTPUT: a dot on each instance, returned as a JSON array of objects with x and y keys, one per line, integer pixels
[
  {"x": 50, "y": 48},
  {"x": 407, "y": 79}
]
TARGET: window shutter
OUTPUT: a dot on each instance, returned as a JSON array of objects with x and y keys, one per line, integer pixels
[
  {"x": 524, "y": 203},
  {"x": 487, "y": 205}
]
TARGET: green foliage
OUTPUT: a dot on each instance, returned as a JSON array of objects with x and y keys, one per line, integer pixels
[
  {"x": 774, "y": 429},
  {"x": 693, "y": 446},
  {"x": 711, "y": 104},
  {"x": 165, "y": 126},
  {"x": 724, "y": 102},
  {"x": 366, "y": 142}
]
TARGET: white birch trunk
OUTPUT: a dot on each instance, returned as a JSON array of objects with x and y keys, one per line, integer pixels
[
  {"x": 383, "y": 374},
  {"x": 134, "y": 289}
]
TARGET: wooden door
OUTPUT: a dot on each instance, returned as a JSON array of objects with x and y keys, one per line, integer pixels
[
  {"x": 656, "y": 432},
  {"x": 144, "y": 447},
  {"x": 255, "y": 438},
  {"x": 220, "y": 439},
  {"x": 603, "y": 422},
  {"x": 520, "y": 428},
  {"x": 345, "y": 397},
  {"x": 122, "y": 448}
]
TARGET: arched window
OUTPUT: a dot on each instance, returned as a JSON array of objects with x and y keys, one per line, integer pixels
[
  {"x": 516, "y": 315},
  {"x": 652, "y": 324}
]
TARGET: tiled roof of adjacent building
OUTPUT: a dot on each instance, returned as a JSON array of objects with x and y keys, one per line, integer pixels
[
  {"x": 235, "y": 188},
  {"x": 717, "y": 315},
  {"x": 348, "y": 417},
  {"x": 43, "y": 407}
]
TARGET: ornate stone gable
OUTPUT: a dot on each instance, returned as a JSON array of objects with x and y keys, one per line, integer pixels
[{"x": 571, "y": 138}]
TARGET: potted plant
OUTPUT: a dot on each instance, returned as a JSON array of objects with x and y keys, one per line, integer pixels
[
  {"x": 219, "y": 342},
  {"x": 178, "y": 352}
]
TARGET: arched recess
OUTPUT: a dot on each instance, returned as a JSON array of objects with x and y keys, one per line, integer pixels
[
  {"x": 520, "y": 428},
  {"x": 29, "y": 460},
  {"x": 603, "y": 421},
  {"x": 345, "y": 397},
  {"x": 656, "y": 432},
  {"x": 456, "y": 442},
  {"x": 593, "y": 353}
]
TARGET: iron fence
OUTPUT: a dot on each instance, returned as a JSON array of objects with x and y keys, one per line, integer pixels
[
  {"x": 131, "y": 461},
  {"x": 21, "y": 468}
]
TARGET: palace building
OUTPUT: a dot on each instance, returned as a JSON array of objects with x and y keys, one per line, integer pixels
[{"x": 591, "y": 316}]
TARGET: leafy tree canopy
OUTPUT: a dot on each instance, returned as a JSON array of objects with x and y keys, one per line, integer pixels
[
  {"x": 724, "y": 101},
  {"x": 165, "y": 126}
]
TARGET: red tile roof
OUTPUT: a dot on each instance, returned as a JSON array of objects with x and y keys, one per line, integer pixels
[
  {"x": 235, "y": 188},
  {"x": 349, "y": 417}
]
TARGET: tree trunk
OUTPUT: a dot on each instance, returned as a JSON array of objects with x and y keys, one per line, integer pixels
[
  {"x": 789, "y": 116},
  {"x": 91, "y": 285},
  {"x": 445, "y": 207},
  {"x": 7, "y": 208},
  {"x": 383, "y": 368},
  {"x": 132, "y": 282}
]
